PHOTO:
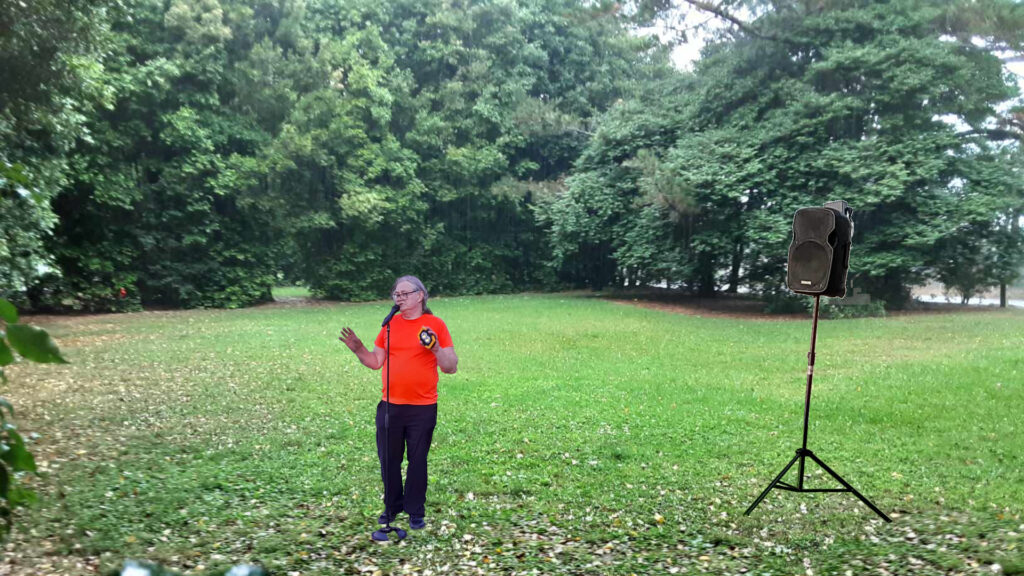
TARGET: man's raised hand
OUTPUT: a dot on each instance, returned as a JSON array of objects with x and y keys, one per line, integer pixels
[{"x": 350, "y": 339}]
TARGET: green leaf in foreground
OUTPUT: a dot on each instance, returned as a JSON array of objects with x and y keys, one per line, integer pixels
[
  {"x": 6, "y": 356},
  {"x": 34, "y": 344},
  {"x": 17, "y": 456},
  {"x": 8, "y": 312}
]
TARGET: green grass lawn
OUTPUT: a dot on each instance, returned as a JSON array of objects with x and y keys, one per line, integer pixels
[
  {"x": 580, "y": 436},
  {"x": 290, "y": 292}
]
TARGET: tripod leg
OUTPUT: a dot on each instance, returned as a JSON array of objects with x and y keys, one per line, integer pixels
[
  {"x": 772, "y": 485},
  {"x": 848, "y": 487}
]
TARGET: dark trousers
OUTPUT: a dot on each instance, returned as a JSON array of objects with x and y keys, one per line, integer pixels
[{"x": 412, "y": 426}]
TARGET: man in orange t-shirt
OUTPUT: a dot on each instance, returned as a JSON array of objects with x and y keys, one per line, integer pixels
[{"x": 420, "y": 344}]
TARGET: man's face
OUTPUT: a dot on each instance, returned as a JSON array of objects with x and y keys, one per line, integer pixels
[{"x": 407, "y": 297}]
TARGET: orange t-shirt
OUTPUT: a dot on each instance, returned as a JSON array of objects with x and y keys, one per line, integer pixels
[{"x": 413, "y": 367}]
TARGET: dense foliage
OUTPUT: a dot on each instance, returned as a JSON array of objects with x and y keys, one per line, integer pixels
[
  {"x": 194, "y": 153},
  {"x": 50, "y": 84},
  {"x": 333, "y": 143}
]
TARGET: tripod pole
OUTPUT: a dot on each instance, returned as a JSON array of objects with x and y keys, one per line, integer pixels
[{"x": 807, "y": 394}]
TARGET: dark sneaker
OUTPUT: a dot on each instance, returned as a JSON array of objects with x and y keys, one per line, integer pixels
[
  {"x": 417, "y": 523},
  {"x": 384, "y": 518},
  {"x": 382, "y": 535}
]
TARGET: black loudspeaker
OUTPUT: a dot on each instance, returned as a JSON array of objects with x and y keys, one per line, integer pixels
[{"x": 819, "y": 255}]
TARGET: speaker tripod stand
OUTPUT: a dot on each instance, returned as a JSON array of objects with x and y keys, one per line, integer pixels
[{"x": 802, "y": 453}]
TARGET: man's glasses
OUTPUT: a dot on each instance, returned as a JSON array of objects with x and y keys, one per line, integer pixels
[{"x": 401, "y": 295}]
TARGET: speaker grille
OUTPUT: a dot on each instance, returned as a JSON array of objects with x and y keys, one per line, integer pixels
[
  {"x": 810, "y": 254},
  {"x": 809, "y": 266}
]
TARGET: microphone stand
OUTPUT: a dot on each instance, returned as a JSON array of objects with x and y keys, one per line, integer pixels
[
  {"x": 382, "y": 534},
  {"x": 803, "y": 453}
]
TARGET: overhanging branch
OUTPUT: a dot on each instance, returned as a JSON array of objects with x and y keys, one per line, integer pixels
[
  {"x": 720, "y": 12},
  {"x": 994, "y": 134}
]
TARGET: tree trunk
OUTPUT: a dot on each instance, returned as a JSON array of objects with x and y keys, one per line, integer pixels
[
  {"x": 705, "y": 276},
  {"x": 1002, "y": 294},
  {"x": 1015, "y": 216},
  {"x": 734, "y": 271}
]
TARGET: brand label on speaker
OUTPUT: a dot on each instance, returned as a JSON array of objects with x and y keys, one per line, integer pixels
[{"x": 806, "y": 282}]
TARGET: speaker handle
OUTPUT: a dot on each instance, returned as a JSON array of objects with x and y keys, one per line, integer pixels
[{"x": 843, "y": 208}]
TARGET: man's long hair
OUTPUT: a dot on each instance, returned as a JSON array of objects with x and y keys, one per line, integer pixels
[{"x": 416, "y": 284}]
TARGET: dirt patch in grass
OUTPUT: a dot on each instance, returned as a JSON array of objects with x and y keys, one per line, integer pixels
[
  {"x": 743, "y": 309},
  {"x": 300, "y": 302},
  {"x": 747, "y": 308},
  {"x": 91, "y": 340}
]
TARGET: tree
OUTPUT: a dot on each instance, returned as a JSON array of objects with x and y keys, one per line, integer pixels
[
  {"x": 595, "y": 231},
  {"x": 160, "y": 174},
  {"x": 984, "y": 250},
  {"x": 51, "y": 55},
  {"x": 810, "y": 102},
  {"x": 343, "y": 142}
]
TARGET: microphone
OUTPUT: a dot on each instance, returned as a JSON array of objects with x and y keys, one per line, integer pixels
[{"x": 394, "y": 310}]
